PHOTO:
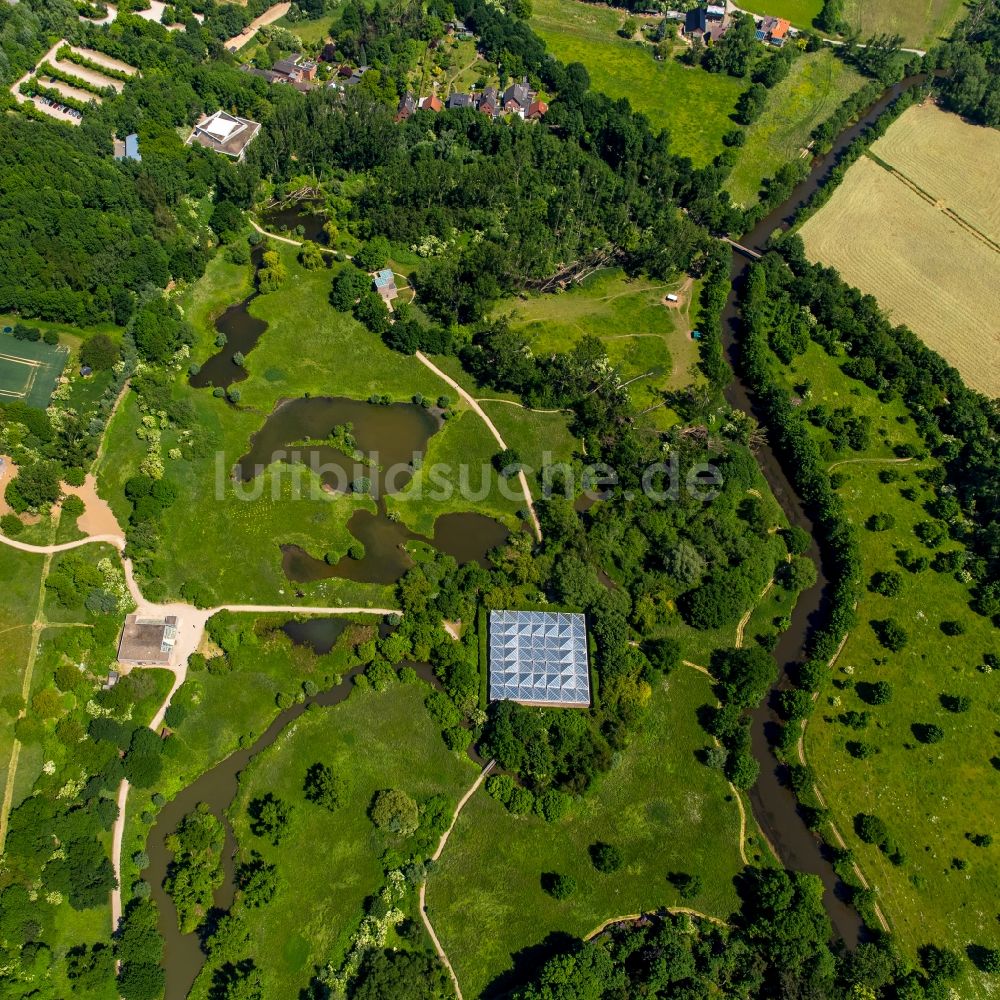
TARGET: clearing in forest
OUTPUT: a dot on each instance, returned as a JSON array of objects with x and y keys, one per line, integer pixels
[{"x": 928, "y": 266}]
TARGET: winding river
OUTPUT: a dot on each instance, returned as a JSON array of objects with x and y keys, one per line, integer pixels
[{"x": 774, "y": 805}]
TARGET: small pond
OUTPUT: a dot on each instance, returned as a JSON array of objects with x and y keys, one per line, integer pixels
[
  {"x": 288, "y": 217},
  {"x": 318, "y": 634}
]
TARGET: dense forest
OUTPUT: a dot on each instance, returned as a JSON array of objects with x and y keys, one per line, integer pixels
[{"x": 972, "y": 61}]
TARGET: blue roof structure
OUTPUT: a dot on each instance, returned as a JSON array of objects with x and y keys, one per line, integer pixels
[
  {"x": 539, "y": 658},
  {"x": 384, "y": 278},
  {"x": 132, "y": 147}
]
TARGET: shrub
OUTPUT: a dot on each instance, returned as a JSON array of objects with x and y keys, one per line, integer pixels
[
  {"x": 687, "y": 885},
  {"x": 953, "y": 628},
  {"x": 558, "y": 886},
  {"x": 606, "y": 858},
  {"x": 552, "y": 805},
  {"x": 891, "y": 634},
  {"x": 324, "y": 787},
  {"x": 396, "y": 812},
  {"x": 927, "y": 732},
  {"x": 881, "y": 521},
  {"x": 11, "y": 525},
  {"x": 522, "y": 802},
  {"x": 956, "y": 703},
  {"x": 877, "y": 693},
  {"x": 73, "y": 506},
  {"x": 888, "y": 583}
]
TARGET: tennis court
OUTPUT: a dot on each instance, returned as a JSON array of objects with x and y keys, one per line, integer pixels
[{"x": 29, "y": 370}]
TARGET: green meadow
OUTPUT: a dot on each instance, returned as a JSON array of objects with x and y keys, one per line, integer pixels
[
  {"x": 693, "y": 105},
  {"x": 932, "y": 796},
  {"x": 374, "y": 741},
  {"x": 663, "y": 809},
  {"x": 817, "y": 84}
]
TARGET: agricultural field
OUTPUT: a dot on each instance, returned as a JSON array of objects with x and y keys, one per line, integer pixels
[
  {"x": 647, "y": 339},
  {"x": 817, "y": 84},
  {"x": 931, "y": 796},
  {"x": 374, "y": 741},
  {"x": 693, "y": 105},
  {"x": 664, "y": 810},
  {"x": 928, "y": 270},
  {"x": 920, "y": 24},
  {"x": 950, "y": 160},
  {"x": 29, "y": 370}
]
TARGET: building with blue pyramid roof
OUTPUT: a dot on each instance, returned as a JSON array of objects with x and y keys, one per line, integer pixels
[{"x": 539, "y": 658}]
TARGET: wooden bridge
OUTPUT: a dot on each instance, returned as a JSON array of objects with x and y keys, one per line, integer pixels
[{"x": 756, "y": 255}]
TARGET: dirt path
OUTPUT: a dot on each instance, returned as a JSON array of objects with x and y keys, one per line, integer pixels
[
  {"x": 437, "y": 854},
  {"x": 97, "y": 519},
  {"x": 269, "y": 16},
  {"x": 522, "y": 478},
  {"x": 869, "y": 461},
  {"x": 37, "y": 627},
  {"x": 834, "y": 829},
  {"x": 514, "y": 402}
]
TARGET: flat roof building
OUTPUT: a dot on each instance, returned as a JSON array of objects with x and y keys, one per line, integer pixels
[
  {"x": 147, "y": 640},
  {"x": 225, "y": 133},
  {"x": 539, "y": 658}
]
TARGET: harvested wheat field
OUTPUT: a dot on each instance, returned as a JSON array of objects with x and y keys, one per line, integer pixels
[
  {"x": 928, "y": 270},
  {"x": 954, "y": 162}
]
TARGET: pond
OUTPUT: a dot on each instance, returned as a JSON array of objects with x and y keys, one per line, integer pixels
[
  {"x": 287, "y": 218},
  {"x": 242, "y": 331},
  {"x": 318, "y": 634},
  {"x": 298, "y": 430}
]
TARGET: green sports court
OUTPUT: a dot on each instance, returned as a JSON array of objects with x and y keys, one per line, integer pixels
[{"x": 29, "y": 370}]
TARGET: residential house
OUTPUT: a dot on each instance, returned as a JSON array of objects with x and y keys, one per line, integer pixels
[
  {"x": 536, "y": 110},
  {"x": 517, "y": 98},
  {"x": 127, "y": 149},
  {"x": 407, "y": 105},
  {"x": 432, "y": 103},
  {"x": 489, "y": 102},
  {"x": 356, "y": 75},
  {"x": 775, "y": 30},
  {"x": 695, "y": 23},
  {"x": 460, "y": 101},
  {"x": 224, "y": 133},
  {"x": 384, "y": 282},
  {"x": 296, "y": 69}
]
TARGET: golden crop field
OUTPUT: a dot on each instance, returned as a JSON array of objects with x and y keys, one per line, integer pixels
[
  {"x": 949, "y": 159},
  {"x": 930, "y": 271}
]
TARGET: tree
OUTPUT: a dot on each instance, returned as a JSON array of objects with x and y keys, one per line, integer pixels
[
  {"x": 888, "y": 583},
  {"x": 751, "y": 103},
  {"x": 36, "y": 487},
  {"x": 402, "y": 975},
  {"x": 324, "y": 787},
  {"x": 606, "y": 858},
  {"x": 257, "y": 880},
  {"x": 891, "y": 634},
  {"x": 687, "y": 885},
  {"x": 941, "y": 964},
  {"x": 507, "y": 462},
  {"x": 558, "y": 886},
  {"x": 269, "y": 817},
  {"x": 371, "y": 311},
  {"x": 799, "y": 574},
  {"x": 311, "y": 256},
  {"x": 374, "y": 254},
  {"x": 394, "y": 811},
  {"x": 99, "y": 352},
  {"x": 927, "y": 732}
]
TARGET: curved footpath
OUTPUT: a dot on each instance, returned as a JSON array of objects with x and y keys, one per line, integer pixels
[
  {"x": 434, "y": 857},
  {"x": 473, "y": 404}
]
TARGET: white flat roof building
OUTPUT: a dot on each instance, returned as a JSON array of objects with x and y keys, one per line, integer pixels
[{"x": 225, "y": 133}]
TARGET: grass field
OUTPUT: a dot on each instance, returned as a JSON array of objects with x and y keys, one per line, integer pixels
[
  {"x": 663, "y": 809},
  {"x": 817, "y": 84},
  {"x": 929, "y": 796},
  {"x": 330, "y": 861},
  {"x": 645, "y": 340},
  {"x": 927, "y": 270},
  {"x": 799, "y": 12},
  {"x": 29, "y": 370},
  {"x": 920, "y": 24},
  {"x": 694, "y": 106},
  {"x": 308, "y": 348}
]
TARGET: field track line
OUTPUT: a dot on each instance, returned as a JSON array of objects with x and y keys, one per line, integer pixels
[
  {"x": 631, "y": 918},
  {"x": 19, "y": 360},
  {"x": 935, "y": 203}
]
